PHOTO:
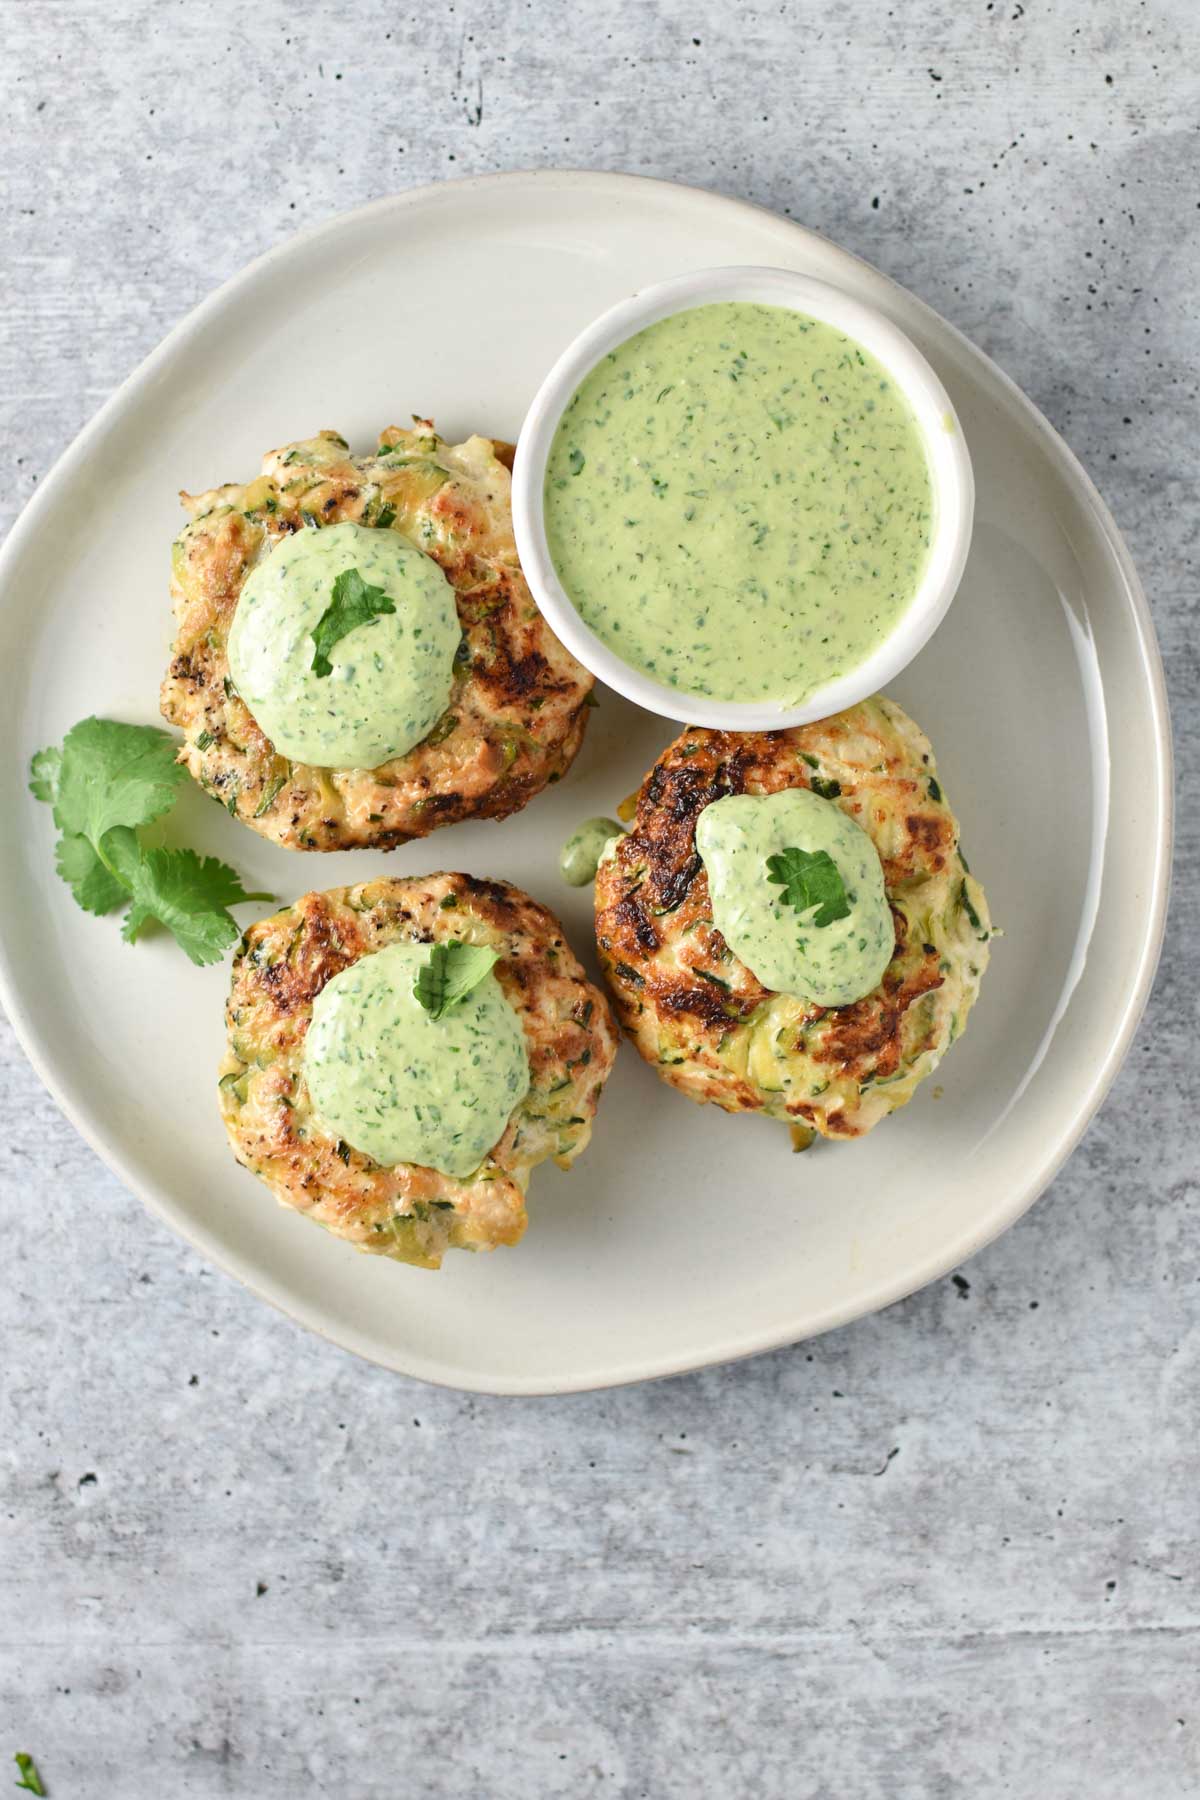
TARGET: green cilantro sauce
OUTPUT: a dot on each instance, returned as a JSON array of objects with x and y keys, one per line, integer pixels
[
  {"x": 391, "y": 677},
  {"x": 401, "y": 1086},
  {"x": 580, "y": 856},
  {"x": 738, "y": 502},
  {"x": 830, "y": 965}
]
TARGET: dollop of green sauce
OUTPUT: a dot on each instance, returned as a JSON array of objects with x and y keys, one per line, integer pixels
[
  {"x": 738, "y": 502},
  {"x": 401, "y": 1086},
  {"x": 391, "y": 677},
  {"x": 830, "y": 965},
  {"x": 580, "y": 856}
]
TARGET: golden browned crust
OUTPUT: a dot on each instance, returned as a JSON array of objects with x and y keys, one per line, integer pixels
[
  {"x": 696, "y": 1012},
  {"x": 519, "y": 702},
  {"x": 408, "y": 1212}
]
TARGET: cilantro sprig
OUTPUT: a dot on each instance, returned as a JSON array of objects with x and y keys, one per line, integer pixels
[
  {"x": 810, "y": 878},
  {"x": 453, "y": 971},
  {"x": 30, "y": 1780},
  {"x": 105, "y": 782},
  {"x": 355, "y": 602}
]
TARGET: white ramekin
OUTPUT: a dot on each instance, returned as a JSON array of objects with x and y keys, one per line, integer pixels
[{"x": 949, "y": 467}]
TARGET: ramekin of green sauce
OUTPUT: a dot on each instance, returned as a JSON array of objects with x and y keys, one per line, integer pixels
[{"x": 743, "y": 499}]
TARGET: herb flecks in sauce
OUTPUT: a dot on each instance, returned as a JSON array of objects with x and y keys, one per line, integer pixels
[
  {"x": 738, "y": 502},
  {"x": 778, "y": 904},
  {"x": 580, "y": 856},
  {"x": 390, "y": 673},
  {"x": 401, "y": 1085}
]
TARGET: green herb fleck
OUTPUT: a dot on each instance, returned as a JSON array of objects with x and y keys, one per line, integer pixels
[
  {"x": 964, "y": 900},
  {"x": 442, "y": 730},
  {"x": 576, "y": 461},
  {"x": 826, "y": 790},
  {"x": 30, "y": 1780},
  {"x": 268, "y": 795}
]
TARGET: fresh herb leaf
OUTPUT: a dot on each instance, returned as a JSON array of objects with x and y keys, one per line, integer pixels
[
  {"x": 355, "y": 602},
  {"x": 387, "y": 516},
  {"x": 452, "y": 972},
  {"x": 93, "y": 884},
  {"x": 30, "y": 1780},
  {"x": 810, "y": 878},
  {"x": 112, "y": 774},
  {"x": 185, "y": 892},
  {"x": 106, "y": 781},
  {"x": 43, "y": 775}
]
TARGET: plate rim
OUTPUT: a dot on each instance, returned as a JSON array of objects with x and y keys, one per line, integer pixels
[{"x": 89, "y": 1125}]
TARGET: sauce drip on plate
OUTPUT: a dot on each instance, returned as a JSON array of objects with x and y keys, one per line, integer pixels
[{"x": 580, "y": 856}]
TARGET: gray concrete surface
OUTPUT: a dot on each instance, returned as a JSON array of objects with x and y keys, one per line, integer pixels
[{"x": 950, "y": 1550}]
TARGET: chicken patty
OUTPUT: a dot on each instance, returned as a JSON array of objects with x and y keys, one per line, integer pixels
[
  {"x": 408, "y": 1212},
  {"x": 519, "y": 700},
  {"x": 698, "y": 1014}
]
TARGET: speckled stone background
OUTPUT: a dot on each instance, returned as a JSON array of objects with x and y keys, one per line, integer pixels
[{"x": 950, "y": 1550}]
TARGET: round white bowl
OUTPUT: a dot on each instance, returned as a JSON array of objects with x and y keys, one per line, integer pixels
[{"x": 945, "y": 448}]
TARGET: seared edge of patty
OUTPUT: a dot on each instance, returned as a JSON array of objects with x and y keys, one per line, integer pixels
[
  {"x": 698, "y": 1014},
  {"x": 408, "y": 1212},
  {"x": 519, "y": 702}
]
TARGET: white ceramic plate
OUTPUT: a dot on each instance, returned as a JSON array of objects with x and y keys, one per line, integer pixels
[{"x": 684, "y": 1237}]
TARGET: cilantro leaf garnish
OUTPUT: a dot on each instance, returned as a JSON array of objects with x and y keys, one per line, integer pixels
[
  {"x": 30, "y": 1780},
  {"x": 108, "y": 774},
  {"x": 185, "y": 892},
  {"x": 93, "y": 884},
  {"x": 355, "y": 602},
  {"x": 810, "y": 878},
  {"x": 106, "y": 781},
  {"x": 43, "y": 775},
  {"x": 453, "y": 971}
]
